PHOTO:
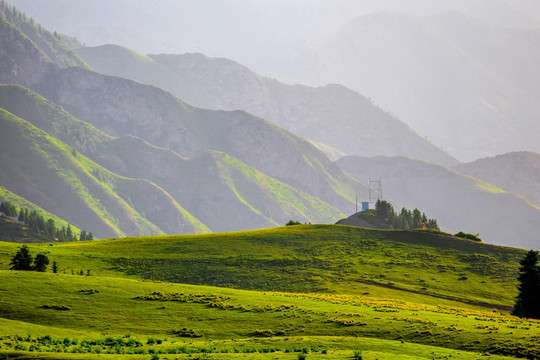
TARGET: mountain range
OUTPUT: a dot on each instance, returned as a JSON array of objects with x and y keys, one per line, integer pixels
[
  {"x": 144, "y": 161},
  {"x": 468, "y": 86},
  {"x": 237, "y": 195},
  {"x": 332, "y": 115}
]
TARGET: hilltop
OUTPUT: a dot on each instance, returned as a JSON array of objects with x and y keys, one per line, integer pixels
[{"x": 458, "y": 202}]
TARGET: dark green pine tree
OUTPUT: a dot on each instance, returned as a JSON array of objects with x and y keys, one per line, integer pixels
[
  {"x": 22, "y": 259},
  {"x": 528, "y": 300},
  {"x": 55, "y": 267},
  {"x": 40, "y": 263}
]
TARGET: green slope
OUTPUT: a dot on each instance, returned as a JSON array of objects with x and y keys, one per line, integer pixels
[
  {"x": 501, "y": 171},
  {"x": 219, "y": 190},
  {"x": 93, "y": 143},
  {"x": 21, "y": 202},
  {"x": 312, "y": 258},
  {"x": 346, "y": 289},
  {"x": 50, "y": 43},
  {"x": 57, "y": 178},
  {"x": 165, "y": 121}
]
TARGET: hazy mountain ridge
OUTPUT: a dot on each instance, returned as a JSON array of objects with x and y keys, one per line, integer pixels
[
  {"x": 50, "y": 44},
  {"x": 125, "y": 107},
  {"x": 332, "y": 115},
  {"x": 458, "y": 202},
  {"x": 468, "y": 86},
  {"x": 517, "y": 172},
  {"x": 121, "y": 107}
]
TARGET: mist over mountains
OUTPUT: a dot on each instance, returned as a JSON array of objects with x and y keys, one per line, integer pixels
[
  {"x": 181, "y": 142},
  {"x": 462, "y": 73}
]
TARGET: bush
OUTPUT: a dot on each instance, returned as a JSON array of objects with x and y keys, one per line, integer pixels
[
  {"x": 357, "y": 355},
  {"x": 302, "y": 356},
  {"x": 292, "y": 222},
  {"x": 463, "y": 235}
]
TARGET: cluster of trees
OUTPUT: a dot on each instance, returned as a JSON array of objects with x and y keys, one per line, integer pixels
[
  {"x": 528, "y": 300},
  {"x": 406, "y": 219},
  {"x": 23, "y": 260},
  {"x": 8, "y": 209},
  {"x": 38, "y": 224}
]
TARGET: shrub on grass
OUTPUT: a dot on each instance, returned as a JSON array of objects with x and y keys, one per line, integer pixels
[
  {"x": 463, "y": 235},
  {"x": 302, "y": 356},
  {"x": 292, "y": 222},
  {"x": 357, "y": 355}
]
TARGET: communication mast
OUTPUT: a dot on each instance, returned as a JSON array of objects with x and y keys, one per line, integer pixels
[{"x": 375, "y": 190}]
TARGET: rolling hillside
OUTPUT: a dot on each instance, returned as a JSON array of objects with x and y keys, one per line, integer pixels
[
  {"x": 55, "y": 177},
  {"x": 386, "y": 294},
  {"x": 457, "y": 201},
  {"x": 332, "y": 115}
]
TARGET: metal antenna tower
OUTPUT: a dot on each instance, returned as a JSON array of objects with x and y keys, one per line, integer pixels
[{"x": 375, "y": 189}]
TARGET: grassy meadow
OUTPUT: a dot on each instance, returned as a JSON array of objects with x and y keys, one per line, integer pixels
[{"x": 319, "y": 292}]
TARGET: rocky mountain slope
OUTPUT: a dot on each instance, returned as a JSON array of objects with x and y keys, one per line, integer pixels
[
  {"x": 458, "y": 202},
  {"x": 332, "y": 115},
  {"x": 517, "y": 172}
]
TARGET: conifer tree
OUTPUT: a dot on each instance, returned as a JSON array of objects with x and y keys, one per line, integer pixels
[
  {"x": 40, "y": 263},
  {"x": 22, "y": 259},
  {"x": 528, "y": 299},
  {"x": 416, "y": 219}
]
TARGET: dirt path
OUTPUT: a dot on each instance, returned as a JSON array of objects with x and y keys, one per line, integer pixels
[{"x": 438, "y": 296}]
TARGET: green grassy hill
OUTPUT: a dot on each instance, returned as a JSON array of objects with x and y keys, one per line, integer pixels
[
  {"x": 13, "y": 231},
  {"x": 57, "y": 178},
  {"x": 324, "y": 290}
]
